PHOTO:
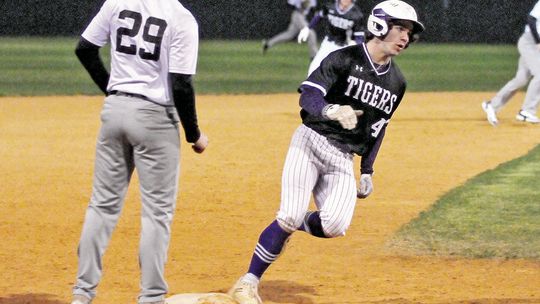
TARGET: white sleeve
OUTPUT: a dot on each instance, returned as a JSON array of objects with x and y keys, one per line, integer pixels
[
  {"x": 536, "y": 11},
  {"x": 184, "y": 47},
  {"x": 98, "y": 30}
]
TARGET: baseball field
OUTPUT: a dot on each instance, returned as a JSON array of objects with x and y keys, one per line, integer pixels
[{"x": 438, "y": 141}]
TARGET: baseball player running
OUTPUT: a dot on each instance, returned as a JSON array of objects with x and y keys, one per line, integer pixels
[
  {"x": 347, "y": 104},
  {"x": 344, "y": 19},
  {"x": 154, "y": 47},
  {"x": 301, "y": 9},
  {"x": 528, "y": 71}
]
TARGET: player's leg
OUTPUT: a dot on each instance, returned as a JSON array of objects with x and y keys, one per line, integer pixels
[
  {"x": 491, "y": 107},
  {"x": 335, "y": 196},
  {"x": 290, "y": 33},
  {"x": 156, "y": 144},
  {"x": 520, "y": 80},
  {"x": 112, "y": 172},
  {"x": 531, "y": 54},
  {"x": 298, "y": 179}
]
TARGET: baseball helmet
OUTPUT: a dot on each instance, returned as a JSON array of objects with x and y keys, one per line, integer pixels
[{"x": 386, "y": 11}]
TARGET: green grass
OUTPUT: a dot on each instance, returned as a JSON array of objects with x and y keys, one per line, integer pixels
[
  {"x": 48, "y": 66},
  {"x": 496, "y": 214}
]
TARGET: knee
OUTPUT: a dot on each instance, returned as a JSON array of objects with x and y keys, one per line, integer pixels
[
  {"x": 288, "y": 223},
  {"x": 334, "y": 229},
  {"x": 333, "y": 233}
]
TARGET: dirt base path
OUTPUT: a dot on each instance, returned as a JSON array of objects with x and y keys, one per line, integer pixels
[{"x": 229, "y": 194}]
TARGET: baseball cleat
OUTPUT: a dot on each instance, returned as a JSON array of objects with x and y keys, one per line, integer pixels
[
  {"x": 80, "y": 299},
  {"x": 527, "y": 117},
  {"x": 245, "y": 292},
  {"x": 490, "y": 113}
]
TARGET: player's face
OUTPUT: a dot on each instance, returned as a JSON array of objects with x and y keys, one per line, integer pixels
[
  {"x": 397, "y": 38},
  {"x": 345, "y": 3}
]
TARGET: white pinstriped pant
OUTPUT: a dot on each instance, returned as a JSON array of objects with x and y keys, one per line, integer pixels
[{"x": 315, "y": 166}]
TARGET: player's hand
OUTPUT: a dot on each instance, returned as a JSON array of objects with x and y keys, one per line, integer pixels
[
  {"x": 345, "y": 115},
  {"x": 303, "y": 35},
  {"x": 200, "y": 145},
  {"x": 538, "y": 46},
  {"x": 366, "y": 186}
]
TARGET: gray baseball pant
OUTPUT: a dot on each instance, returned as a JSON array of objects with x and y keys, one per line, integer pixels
[
  {"x": 135, "y": 133},
  {"x": 298, "y": 21},
  {"x": 528, "y": 71}
]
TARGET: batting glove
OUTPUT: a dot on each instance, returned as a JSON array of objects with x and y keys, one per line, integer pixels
[
  {"x": 303, "y": 35},
  {"x": 345, "y": 115},
  {"x": 200, "y": 145},
  {"x": 366, "y": 186}
]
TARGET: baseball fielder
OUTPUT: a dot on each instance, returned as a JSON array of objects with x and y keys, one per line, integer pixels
[
  {"x": 154, "y": 47},
  {"x": 301, "y": 9},
  {"x": 347, "y": 103},
  {"x": 343, "y": 18},
  {"x": 528, "y": 71}
]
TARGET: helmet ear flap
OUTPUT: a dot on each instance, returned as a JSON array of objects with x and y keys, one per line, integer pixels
[{"x": 377, "y": 26}]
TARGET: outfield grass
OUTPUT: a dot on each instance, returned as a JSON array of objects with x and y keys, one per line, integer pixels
[
  {"x": 48, "y": 66},
  {"x": 496, "y": 214}
]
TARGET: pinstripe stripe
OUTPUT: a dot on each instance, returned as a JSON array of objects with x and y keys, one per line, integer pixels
[{"x": 314, "y": 166}]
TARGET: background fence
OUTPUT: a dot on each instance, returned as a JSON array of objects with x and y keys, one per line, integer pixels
[{"x": 484, "y": 21}]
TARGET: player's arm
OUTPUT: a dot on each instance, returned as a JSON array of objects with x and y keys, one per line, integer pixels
[
  {"x": 366, "y": 167},
  {"x": 532, "y": 22},
  {"x": 304, "y": 32},
  {"x": 88, "y": 54},
  {"x": 184, "y": 101}
]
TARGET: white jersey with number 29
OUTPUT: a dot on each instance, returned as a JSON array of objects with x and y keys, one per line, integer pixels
[{"x": 148, "y": 40}]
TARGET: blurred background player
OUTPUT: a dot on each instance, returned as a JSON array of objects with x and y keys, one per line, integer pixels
[
  {"x": 347, "y": 103},
  {"x": 300, "y": 10},
  {"x": 528, "y": 71},
  {"x": 154, "y": 48},
  {"x": 344, "y": 26}
]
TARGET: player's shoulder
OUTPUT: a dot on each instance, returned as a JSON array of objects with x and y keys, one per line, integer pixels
[
  {"x": 344, "y": 57},
  {"x": 356, "y": 11},
  {"x": 180, "y": 15},
  {"x": 354, "y": 51}
]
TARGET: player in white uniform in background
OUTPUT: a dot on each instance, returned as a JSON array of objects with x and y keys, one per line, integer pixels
[
  {"x": 301, "y": 8},
  {"x": 528, "y": 71},
  {"x": 154, "y": 46},
  {"x": 344, "y": 27},
  {"x": 347, "y": 103}
]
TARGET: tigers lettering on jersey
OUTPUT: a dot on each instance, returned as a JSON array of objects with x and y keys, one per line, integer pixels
[
  {"x": 339, "y": 22},
  {"x": 371, "y": 94}
]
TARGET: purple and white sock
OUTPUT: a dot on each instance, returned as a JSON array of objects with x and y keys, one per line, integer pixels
[{"x": 270, "y": 245}]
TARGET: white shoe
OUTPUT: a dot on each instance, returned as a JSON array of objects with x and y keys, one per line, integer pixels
[
  {"x": 527, "y": 117},
  {"x": 245, "y": 292},
  {"x": 80, "y": 299},
  {"x": 490, "y": 113}
]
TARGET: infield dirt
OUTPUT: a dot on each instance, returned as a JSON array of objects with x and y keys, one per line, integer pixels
[{"x": 231, "y": 192}]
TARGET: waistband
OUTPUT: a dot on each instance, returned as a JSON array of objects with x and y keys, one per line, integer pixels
[{"x": 126, "y": 94}]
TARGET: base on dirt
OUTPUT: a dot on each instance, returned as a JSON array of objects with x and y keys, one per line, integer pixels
[{"x": 200, "y": 298}]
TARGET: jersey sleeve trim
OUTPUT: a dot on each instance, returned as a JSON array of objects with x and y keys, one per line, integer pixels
[{"x": 317, "y": 86}]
